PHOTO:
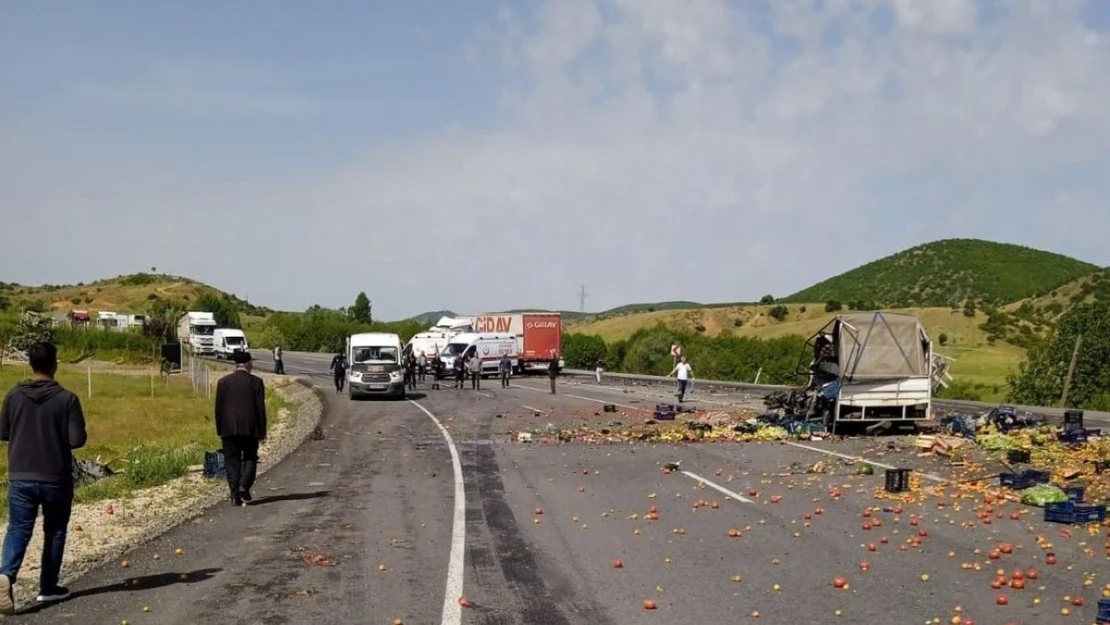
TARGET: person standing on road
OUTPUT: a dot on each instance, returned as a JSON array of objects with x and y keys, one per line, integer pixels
[
  {"x": 42, "y": 423},
  {"x": 475, "y": 372},
  {"x": 460, "y": 371},
  {"x": 241, "y": 425},
  {"x": 339, "y": 370},
  {"x": 684, "y": 372},
  {"x": 279, "y": 364},
  {"x": 553, "y": 370},
  {"x": 437, "y": 373},
  {"x": 412, "y": 371},
  {"x": 421, "y": 365},
  {"x": 506, "y": 368},
  {"x": 598, "y": 370}
]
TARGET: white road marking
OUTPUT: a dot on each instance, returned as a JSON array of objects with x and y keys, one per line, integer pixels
[
  {"x": 490, "y": 395},
  {"x": 452, "y": 611},
  {"x": 717, "y": 487},
  {"x": 935, "y": 478},
  {"x": 599, "y": 401},
  {"x": 533, "y": 409}
]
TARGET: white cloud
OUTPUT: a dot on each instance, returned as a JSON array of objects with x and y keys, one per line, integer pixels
[{"x": 701, "y": 149}]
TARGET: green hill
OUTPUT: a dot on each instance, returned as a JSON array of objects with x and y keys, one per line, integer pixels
[
  {"x": 124, "y": 294},
  {"x": 949, "y": 272}
]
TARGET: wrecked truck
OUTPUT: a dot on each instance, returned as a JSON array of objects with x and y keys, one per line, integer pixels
[{"x": 870, "y": 367}]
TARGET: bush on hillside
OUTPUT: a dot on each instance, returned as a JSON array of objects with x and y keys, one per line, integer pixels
[
  {"x": 648, "y": 351},
  {"x": 779, "y": 313},
  {"x": 1040, "y": 377},
  {"x": 583, "y": 351}
]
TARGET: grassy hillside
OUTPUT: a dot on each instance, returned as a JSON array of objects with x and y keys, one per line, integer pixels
[
  {"x": 125, "y": 294},
  {"x": 949, "y": 272}
]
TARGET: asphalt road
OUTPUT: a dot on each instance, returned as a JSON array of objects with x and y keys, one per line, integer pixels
[{"x": 361, "y": 528}]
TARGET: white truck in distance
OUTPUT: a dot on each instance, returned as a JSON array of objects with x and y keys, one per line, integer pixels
[
  {"x": 227, "y": 341},
  {"x": 196, "y": 332}
]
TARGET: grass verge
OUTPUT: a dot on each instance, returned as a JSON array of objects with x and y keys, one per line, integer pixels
[{"x": 151, "y": 434}]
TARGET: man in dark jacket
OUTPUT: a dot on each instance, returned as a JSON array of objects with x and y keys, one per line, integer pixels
[
  {"x": 339, "y": 370},
  {"x": 42, "y": 423},
  {"x": 241, "y": 425}
]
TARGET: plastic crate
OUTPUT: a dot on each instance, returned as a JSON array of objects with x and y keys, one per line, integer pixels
[
  {"x": 1023, "y": 480},
  {"x": 1073, "y": 420},
  {"x": 1103, "y": 611},
  {"x": 1018, "y": 456},
  {"x": 660, "y": 415},
  {"x": 1075, "y": 493},
  {"x": 214, "y": 464},
  {"x": 1074, "y": 437},
  {"x": 1073, "y": 513},
  {"x": 897, "y": 480}
]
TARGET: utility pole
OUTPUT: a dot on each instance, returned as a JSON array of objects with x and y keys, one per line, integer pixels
[
  {"x": 582, "y": 299},
  {"x": 1071, "y": 371}
]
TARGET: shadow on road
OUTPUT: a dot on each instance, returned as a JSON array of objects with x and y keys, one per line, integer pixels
[
  {"x": 146, "y": 582},
  {"x": 290, "y": 497}
]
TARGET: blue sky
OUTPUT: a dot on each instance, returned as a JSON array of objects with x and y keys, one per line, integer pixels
[{"x": 482, "y": 155}]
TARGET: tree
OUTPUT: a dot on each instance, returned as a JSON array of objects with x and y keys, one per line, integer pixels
[
  {"x": 779, "y": 313},
  {"x": 942, "y": 339},
  {"x": 5, "y": 303},
  {"x": 969, "y": 308},
  {"x": 581, "y": 351},
  {"x": 767, "y": 299},
  {"x": 1039, "y": 379},
  {"x": 360, "y": 312},
  {"x": 833, "y": 306},
  {"x": 223, "y": 309}
]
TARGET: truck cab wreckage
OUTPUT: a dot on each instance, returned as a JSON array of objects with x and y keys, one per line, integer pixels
[{"x": 867, "y": 368}]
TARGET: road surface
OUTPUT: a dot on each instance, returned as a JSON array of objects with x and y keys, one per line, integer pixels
[{"x": 365, "y": 526}]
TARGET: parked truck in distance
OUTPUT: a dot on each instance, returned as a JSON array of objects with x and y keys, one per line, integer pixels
[
  {"x": 196, "y": 331},
  {"x": 539, "y": 335}
]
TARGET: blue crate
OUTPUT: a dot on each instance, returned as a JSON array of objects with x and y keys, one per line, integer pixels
[
  {"x": 1103, "y": 611},
  {"x": 1075, "y": 493},
  {"x": 1075, "y": 437},
  {"x": 214, "y": 464},
  {"x": 1023, "y": 480},
  {"x": 1073, "y": 513}
]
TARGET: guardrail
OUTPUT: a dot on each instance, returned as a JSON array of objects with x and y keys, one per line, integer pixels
[{"x": 946, "y": 404}]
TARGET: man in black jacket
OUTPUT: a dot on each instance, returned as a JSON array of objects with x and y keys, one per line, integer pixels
[
  {"x": 241, "y": 425},
  {"x": 339, "y": 370},
  {"x": 42, "y": 423}
]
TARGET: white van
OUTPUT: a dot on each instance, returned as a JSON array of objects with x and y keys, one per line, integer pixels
[
  {"x": 374, "y": 365},
  {"x": 490, "y": 347},
  {"x": 227, "y": 341},
  {"x": 429, "y": 343}
]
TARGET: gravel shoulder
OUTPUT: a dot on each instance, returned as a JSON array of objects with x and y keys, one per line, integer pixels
[{"x": 105, "y": 530}]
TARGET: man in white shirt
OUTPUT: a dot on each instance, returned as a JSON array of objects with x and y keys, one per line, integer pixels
[{"x": 684, "y": 372}]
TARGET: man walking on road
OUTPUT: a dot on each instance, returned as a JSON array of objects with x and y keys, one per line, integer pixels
[
  {"x": 506, "y": 368},
  {"x": 42, "y": 423},
  {"x": 475, "y": 372},
  {"x": 339, "y": 369},
  {"x": 279, "y": 364},
  {"x": 684, "y": 372},
  {"x": 241, "y": 425}
]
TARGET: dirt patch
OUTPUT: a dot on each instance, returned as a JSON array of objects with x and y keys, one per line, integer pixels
[{"x": 105, "y": 530}]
